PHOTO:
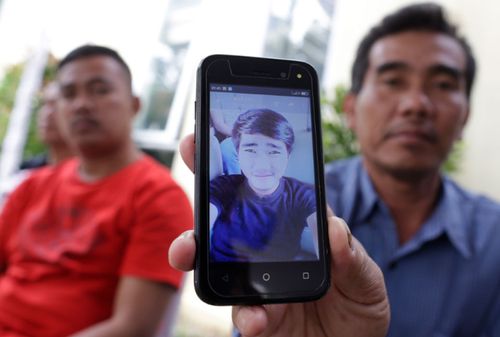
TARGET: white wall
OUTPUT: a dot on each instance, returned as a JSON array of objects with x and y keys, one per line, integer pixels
[{"x": 481, "y": 165}]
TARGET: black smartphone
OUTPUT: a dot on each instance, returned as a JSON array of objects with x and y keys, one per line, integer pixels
[{"x": 260, "y": 210}]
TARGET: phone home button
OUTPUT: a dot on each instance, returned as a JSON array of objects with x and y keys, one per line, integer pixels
[{"x": 266, "y": 277}]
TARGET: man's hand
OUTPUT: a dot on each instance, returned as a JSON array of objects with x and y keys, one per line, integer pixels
[{"x": 355, "y": 305}]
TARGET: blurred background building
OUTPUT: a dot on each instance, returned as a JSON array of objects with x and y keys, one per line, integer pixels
[{"x": 164, "y": 41}]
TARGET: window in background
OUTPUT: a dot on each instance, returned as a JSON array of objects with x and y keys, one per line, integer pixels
[
  {"x": 159, "y": 122},
  {"x": 300, "y": 29}
]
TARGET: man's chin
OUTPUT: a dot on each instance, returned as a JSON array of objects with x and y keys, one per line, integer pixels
[{"x": 411, "y": 170}]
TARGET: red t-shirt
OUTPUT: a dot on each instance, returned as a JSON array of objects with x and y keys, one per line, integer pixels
[{"x": 64, "y": 244}]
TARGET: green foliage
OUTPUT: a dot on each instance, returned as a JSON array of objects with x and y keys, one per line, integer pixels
[
  {"x": 8, "y": 88},
  {"x": 340, "y": 142}
]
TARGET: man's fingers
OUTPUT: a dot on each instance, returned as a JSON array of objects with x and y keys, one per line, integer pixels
[
  {"x": 250, "y": 321},
  {"x": 187, "y": 148},
  {"x": 329, "y": 212},
  {"x": 354, "y": 272},
  {"x": 261, "y": 321},
  {"x": 182, "y": 252}
]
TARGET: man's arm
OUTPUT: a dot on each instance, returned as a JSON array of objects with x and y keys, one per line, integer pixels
[{"x": 138, "y": 310}]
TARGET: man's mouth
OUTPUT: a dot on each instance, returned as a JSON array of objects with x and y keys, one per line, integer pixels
[
  {"x": 262, "y": 174},
  {"x": 82, "y": 124},
  {"x": 412, "y": 134}
]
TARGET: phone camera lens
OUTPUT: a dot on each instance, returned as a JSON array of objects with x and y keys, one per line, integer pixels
[
  {"x": 283, "y": 75},
  {"x": 299, "y": 76}
]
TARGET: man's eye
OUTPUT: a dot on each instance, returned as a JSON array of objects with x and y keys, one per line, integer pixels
[
  {"x": 67, "y": 94},
  {"x": 393, "y": 82},
  {"x": 249, "y": 150},
  {"x": 100, "y": 90},
  {"x": 445, "y": 85},
  {"x": 274, "y": 152}
]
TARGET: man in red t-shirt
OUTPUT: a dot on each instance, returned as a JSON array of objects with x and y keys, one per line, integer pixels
[{"x": 83, "y": 244}]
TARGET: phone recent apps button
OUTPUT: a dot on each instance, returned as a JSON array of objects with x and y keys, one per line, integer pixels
[
  {"x": 266, "y": 277},
  {"x": 305, "y": 275}
]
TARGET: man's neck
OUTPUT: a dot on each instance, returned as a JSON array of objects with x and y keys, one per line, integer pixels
[
  {"x": 410, "y": 201},
  {"x": 94, "y": 167},
  {"x": 59, "y": 153}
]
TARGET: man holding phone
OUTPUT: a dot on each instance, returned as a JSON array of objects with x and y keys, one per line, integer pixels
[{"x": 437, "y": 244}]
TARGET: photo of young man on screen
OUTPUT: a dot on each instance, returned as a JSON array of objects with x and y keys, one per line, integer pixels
[{"x": 260, "y": 215}]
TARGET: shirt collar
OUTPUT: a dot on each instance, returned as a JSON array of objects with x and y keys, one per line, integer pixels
[
  {"x": 358, "y": 196},
  {"x": 451, "y": 214},
  {"x": 360, "y": 200}
]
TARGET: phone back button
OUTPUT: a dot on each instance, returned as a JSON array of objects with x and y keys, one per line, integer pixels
[{"x": 225, "y": 278}]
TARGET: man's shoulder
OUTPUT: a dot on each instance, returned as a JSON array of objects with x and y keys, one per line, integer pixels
[
  {"x": 293, "y": 184},
  {"x": 481, "y": 213},
  {"x": 148, "y": 171},
  {"x": 336, "y": 172},
  {"x": 148, "y": 181},
  {"x": 51, "y": 173},
  {"x": 480, "y": 202}
]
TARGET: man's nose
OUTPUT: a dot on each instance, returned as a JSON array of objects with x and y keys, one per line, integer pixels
[
  {"x": 416, "y": 102},
  {"x": 82, "y": 103},
  {"x": 261, "y": 160}
]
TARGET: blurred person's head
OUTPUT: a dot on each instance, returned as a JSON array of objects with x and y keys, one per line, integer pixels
[
  {"x": 47, "y": 127},
  {"x": 97, "y": 103},
  {"x": 263, "y": 139},
  {"x": 409, "y": 101}
]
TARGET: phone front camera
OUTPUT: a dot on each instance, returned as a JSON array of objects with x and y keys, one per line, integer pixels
[{"x": 299, "y": 76}]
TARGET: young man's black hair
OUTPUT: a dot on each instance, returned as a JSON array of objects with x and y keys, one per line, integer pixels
[
  {"x": 426, "y": 17},
  {"x": 266, "y": 122}
]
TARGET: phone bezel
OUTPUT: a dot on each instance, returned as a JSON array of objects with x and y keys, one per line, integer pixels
[{"x": 261, "y": 72}]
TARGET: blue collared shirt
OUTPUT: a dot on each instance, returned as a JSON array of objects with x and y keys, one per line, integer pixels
[{"x": 444, "y": 281}]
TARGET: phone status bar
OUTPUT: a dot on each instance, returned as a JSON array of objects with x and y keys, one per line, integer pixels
[{"x": 246, "y": 89}]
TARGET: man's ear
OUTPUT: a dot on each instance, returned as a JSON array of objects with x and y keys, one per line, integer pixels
[
  {"x": 136, "y": 104},
  {"x": 349, "y": 110},
  {"x": 464, "y": 122}
]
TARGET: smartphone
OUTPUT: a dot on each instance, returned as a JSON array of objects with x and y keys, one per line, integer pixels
[{"x": 260, "y": 209}]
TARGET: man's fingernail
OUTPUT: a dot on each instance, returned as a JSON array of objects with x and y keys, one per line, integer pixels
[
  {"x": 349, "y": 234},
  {"x": 187, "y": 234}
]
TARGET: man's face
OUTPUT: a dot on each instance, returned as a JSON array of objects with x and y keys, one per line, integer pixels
[
  {"x": 413, "y": 103},
  {"x": 47, "y": 127},
  {"x": 97, "y": 105},
  {"x": 263, "y": 161}
]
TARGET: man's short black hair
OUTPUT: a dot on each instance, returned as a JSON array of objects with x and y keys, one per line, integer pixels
[
  {"x": 89, "y": 50},
  {"x": 426, "y": 17}
]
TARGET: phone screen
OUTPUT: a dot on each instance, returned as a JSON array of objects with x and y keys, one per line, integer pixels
[
  {"x": 261, "y": 214},
  {"x": 262, "y": 198}
]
